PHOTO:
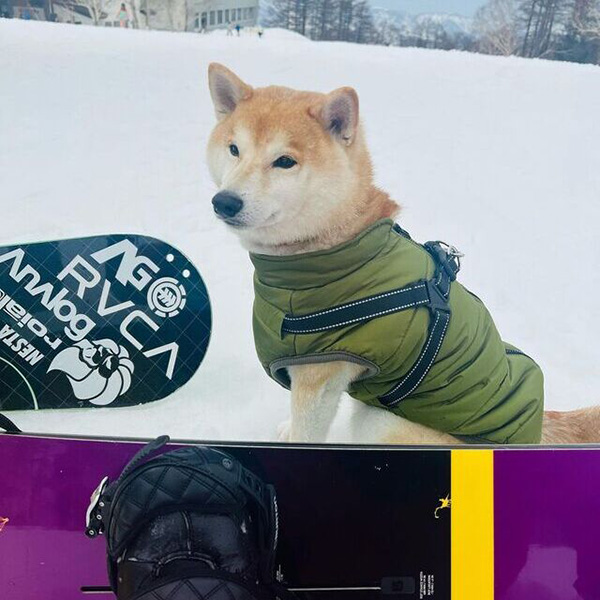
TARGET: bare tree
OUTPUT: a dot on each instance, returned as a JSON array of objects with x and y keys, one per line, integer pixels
[
  {"x": 430, "y": 33},
  {"x": 303, "y": 9},
  {"x": 96, "y": 9},
  {"x": 362, "y": 28},
  {"x": 279, "y": 14},
  {"x": 586, "y": 19},
  {"x": 497, "y": 26},
  {"x": 540, "y": 18},
  {"x": 343, "y": 20},
  {"x": 134, "y": 13},
  {"x": 177, "y": 13},
  {"x": 387, "y": 33}
]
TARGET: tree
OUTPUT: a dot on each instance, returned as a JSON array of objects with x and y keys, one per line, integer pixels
[
  {"x": 341, "y": 20},
  {"x": 303, "y": 8},
  {"x": 278, "y": 14},
  {"x": 581, "y": 42},
  {"x": 97, "y": 9},
  {"x": 586, "y": 18},
  {"x": 177, "y": 14},
  {"x": 497, "y": 27},
  {"x": 362, "y": 28},
  {"x": 540, "y": 17}
]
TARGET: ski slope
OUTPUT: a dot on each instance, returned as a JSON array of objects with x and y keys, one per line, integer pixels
[{"x": 104, "y": 130}]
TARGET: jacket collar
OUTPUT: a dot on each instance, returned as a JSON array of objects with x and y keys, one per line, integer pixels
[{"x": 316, "y": 269}]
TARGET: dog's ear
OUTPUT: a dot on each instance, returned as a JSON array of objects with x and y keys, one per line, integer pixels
[
  {"x": 339, "y": 114},
  {"x": 227, "y": 90}
]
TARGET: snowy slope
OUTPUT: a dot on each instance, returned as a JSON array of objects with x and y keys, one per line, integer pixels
[{"x": 104, "y": 130}]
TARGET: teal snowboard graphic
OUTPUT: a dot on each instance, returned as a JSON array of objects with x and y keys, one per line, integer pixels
[{"x": 113, "y": 320}]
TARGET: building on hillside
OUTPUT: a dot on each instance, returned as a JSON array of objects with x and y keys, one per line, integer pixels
[
  {"x": 169, "y": 15},
  {"x": 62, "y": 11},
  {"x": 35, "y": 10},
  {"x": 218, "y": 14}
]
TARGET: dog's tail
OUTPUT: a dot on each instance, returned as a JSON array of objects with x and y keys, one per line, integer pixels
[{"x": 573, "y": 427}]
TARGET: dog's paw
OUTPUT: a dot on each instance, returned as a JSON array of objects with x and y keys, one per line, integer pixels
[{"x": 284, "y": 430}]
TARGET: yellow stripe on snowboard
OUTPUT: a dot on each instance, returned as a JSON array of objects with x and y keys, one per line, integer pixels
[{"x": 472, "y": 543}]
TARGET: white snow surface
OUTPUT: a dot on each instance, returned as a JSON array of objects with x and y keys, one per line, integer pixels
[{"x": 104, "y": 130}]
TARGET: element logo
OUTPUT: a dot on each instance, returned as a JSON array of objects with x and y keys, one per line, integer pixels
[
  {"x": 166, "y": 297},
  {"x": 98, "y": 371}
]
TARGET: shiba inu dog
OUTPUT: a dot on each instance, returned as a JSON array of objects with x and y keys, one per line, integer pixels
[{"x": 296, "y": 186}]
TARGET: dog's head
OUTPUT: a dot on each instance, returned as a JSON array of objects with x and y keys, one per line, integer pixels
[{"x": 287, "y": 163}]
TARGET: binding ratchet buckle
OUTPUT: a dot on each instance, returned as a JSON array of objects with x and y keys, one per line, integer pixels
[{"x": 94, "y": 525}]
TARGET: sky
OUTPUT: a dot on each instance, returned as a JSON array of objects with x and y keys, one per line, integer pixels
[{"x": 460, "y": 7}]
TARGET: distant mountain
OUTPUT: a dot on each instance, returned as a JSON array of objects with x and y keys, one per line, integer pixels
[
  {"x": 415, "y": 25},
  {"x": 403, "y": 28},
  {"x": 467, "y": 8},
  {"x": 451, "y": 23}
]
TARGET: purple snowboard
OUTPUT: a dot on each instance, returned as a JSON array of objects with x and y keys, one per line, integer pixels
[{"x": 335, "y": 503}]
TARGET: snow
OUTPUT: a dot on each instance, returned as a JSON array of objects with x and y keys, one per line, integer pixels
[{"x": 104, "y": 130}]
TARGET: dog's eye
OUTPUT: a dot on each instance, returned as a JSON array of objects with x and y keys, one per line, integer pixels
[
  {"x": 234, "y": 150},
  {"x": 284, "y": 162}
]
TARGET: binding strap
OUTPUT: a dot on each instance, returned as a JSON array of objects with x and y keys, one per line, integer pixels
[{"x": 432, "y": 293}]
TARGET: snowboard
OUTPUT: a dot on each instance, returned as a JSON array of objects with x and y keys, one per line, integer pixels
[
  {"x": 112, "y": 320},
  {"x": 356, "y": 523}
]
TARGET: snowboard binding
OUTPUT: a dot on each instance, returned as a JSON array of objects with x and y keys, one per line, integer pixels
[{"x": 191, "y": 523}]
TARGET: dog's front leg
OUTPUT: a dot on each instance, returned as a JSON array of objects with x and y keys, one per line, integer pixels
[{"x": 316, "y": 393}]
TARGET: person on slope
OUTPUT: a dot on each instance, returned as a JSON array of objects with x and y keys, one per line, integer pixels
[{"x": 123, "y": 16}]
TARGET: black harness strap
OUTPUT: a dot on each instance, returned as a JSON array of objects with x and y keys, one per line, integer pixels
[
  {"x": 448, "y": 264},
  {"x": 360, "y": 310},
  {"x": 440, "y": 319},
  {"x": 432, "y": 293}
]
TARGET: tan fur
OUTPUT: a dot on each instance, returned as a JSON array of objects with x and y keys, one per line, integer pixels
[
  {"x": 573, "y": 427},
  {"x": 326, "y": 199},
  {"x": 416, "y": 435},
  {"x": 316, "y": 391}
]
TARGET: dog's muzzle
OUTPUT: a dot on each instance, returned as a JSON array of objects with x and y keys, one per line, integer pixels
[{"x": 227, "y": 204}]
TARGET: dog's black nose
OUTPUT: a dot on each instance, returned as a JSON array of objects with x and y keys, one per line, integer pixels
[{"x": 227, "y": 204}]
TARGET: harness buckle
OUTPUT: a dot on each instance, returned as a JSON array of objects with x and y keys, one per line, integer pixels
[
  {"x": 437, "y": 300},
  {"x": 451, "y": 250},
  {"x": 446, "y": 257}
]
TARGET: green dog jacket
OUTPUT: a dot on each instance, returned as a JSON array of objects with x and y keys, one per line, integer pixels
[{"x": 478, "y": 387}]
